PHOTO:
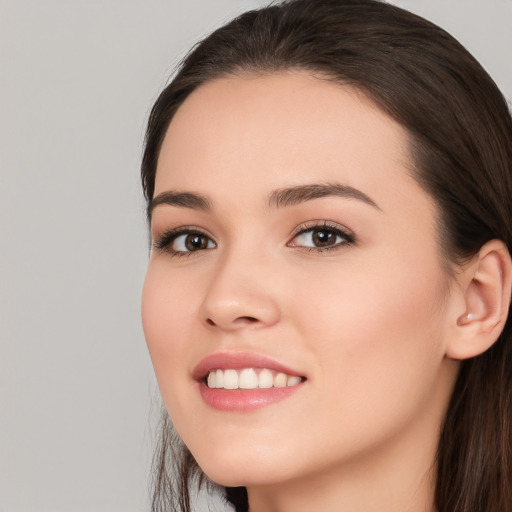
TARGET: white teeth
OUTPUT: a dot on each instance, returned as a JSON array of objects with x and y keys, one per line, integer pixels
[
  {"x": 219, "y": 379},
  {"x": 292, "y": 380},
  {"x": 248, "y": 378},
  {"x": 230, "y": 379},
  {"x": 265, "y": 379},
  {"x": 280, "y": 380}
]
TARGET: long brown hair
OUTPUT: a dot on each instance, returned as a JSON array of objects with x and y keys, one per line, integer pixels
[{"x": 460, "y": 130}]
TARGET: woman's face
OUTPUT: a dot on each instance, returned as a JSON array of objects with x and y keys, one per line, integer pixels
[{"x": 294, "y": 256}]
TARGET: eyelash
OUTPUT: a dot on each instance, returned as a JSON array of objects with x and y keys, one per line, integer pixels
[
  {"x": 165, "y": 241},
  {"x": 348, "y": 238}
]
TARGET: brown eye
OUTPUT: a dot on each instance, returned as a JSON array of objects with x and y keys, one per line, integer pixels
[
  {"x": 322, "y": 237},
  {"x": 196, "y": 242},
  {"x": 191, "y": 242}
]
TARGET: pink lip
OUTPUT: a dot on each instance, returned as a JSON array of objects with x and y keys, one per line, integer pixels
[
  {"x": 241, "y": 400},
  {"x": 237, "y": 361}
]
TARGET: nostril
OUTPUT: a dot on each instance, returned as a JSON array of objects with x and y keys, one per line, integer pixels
[
  {"x": 246, "y": 319},
  {"x": 231, "y": 322}
]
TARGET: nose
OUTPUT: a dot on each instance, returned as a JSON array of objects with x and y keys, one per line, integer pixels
[{"x": 240, "y": 295}]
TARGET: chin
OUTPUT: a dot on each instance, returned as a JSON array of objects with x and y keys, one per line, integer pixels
[
  {"x": 243, "y": 470},
  {"x": 234, "y": 477}
]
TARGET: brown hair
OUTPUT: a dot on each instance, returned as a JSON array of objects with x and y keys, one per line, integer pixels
[{"x": 461, "y": 138}]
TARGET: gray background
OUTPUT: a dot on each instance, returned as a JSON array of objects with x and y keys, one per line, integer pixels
[{"x": 77, "y": 80}]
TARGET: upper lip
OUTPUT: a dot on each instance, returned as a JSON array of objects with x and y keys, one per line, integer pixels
[{"x": 237, "y": 361}]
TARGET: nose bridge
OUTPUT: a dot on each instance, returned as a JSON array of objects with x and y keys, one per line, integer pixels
[{"x": 240, "y": 292}]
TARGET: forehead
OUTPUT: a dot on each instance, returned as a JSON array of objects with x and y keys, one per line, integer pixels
[{"x": 256, "y": 133}]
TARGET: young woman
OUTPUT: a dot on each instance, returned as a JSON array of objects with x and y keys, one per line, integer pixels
[{"x": 328, "y": 187}]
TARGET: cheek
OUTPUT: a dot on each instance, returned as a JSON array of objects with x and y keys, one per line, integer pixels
[
  {"x": 378, "y": 336},
  {"x": 166, "y": 319},
  {"x": 369, "y": 305}
]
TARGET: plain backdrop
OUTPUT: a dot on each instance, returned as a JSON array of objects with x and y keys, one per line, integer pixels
[{"x": 78, "y": 399}]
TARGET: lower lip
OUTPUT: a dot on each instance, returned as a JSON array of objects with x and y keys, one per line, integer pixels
[{"x": 242, "y": 400}]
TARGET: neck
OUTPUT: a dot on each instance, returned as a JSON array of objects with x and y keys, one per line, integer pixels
[{"x": 356, "y": 487}]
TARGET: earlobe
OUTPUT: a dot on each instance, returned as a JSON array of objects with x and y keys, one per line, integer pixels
[{"x": 486, "y": 285}]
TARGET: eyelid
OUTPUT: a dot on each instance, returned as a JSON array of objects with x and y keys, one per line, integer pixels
[
  {"x": 347, "y": 234},
  {"x": 162, "y": 242}
]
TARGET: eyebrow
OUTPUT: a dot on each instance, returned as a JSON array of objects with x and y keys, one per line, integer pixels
[
  {"x": 278, "y": 198},
  {"x": 302, "y": 193},
  {"x": 180, "y": 199}
]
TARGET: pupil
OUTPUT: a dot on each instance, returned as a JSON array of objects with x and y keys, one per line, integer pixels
[
  {"x": 195, "y": 242},
  {"x": 322, "y": 238}
]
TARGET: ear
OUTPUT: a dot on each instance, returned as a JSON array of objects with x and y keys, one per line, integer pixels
[{"x": 485, "y": 285}]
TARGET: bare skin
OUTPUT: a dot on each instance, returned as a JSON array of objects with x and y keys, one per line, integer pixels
[{"x": 349, "y": 290}]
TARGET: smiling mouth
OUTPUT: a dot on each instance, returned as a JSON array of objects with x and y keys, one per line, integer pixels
[{"x": 250, "y": 378}]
